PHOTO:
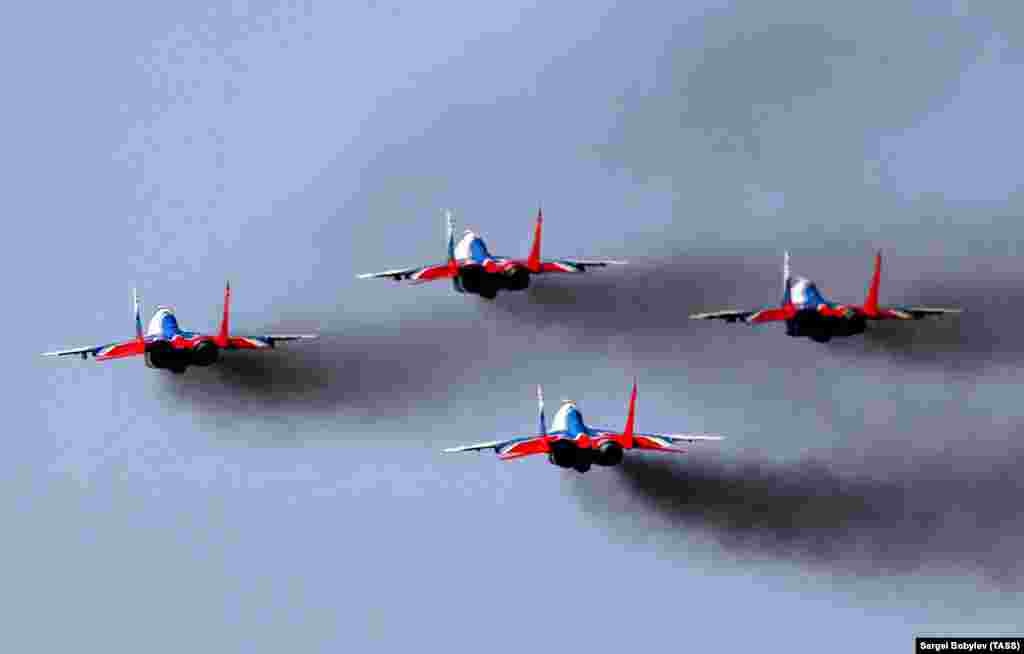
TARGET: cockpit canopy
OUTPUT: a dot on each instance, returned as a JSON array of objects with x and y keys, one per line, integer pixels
[
  {"x": 163, "y": 323},
  {"x": 804, "y": 293},
  {"x": 568, "y": 419},
  {"x": 472, "y": 247}
]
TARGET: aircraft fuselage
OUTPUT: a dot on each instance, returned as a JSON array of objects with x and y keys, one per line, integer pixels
[
  {"x": 810, "y": 323},
  {"x": 168, "y": 347},
  {"x": 483, "y": 274},
  {"x": 475, "y": 279},
  {"x": 573, "y": 448}
]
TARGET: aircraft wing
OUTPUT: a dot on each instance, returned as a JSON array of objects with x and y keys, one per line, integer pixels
[
  {"x": 751, "y": 317},
  {"x": 424, "y": 274},
  {"x": 104, "y": 352},
  {"x": 576, "y": 265},
  {"x": 669, "y": 441},
  {"x": 264, "y": 342},
  {"x": 914, "y": 313},
  {"x": 513, "y": 448}
]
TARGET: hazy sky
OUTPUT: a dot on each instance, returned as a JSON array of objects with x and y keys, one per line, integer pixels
[{"x": 867, "y": 489}]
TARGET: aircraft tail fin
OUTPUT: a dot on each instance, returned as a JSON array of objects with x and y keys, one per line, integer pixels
[
  {"x": 871, "y": 301},
  {"x": 786, "y": 279},
  {"x": 450, "y": 222},
  {"x": 540, "y": 409},
  {"x": 222, "y": 333},
  {"x": 139, "y": 336},
  {"x": 627, "y": 431},
  {"x": 533, "y": 262}
]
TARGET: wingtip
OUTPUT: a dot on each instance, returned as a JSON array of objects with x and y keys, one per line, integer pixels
[{"x": 702, "y": 437}]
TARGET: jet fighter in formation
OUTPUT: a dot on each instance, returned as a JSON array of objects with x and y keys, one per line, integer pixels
[
  {"x": 473, "y": 269},
  {"x": 570, "y": 443},
  {"x": 808, "y": 314},
  {"x": 165, "y": 345}
]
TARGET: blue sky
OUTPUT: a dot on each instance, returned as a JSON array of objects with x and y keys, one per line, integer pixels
[{"x": 301, "y": 502}]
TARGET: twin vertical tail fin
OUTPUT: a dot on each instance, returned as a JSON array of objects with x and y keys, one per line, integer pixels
[
  {"x": 533, "y": 262},
  {"x": 627, "y": 432},
  {"x": 871, "y": 307},
  {"x": 540, "y": 408},
  {"x": 450, "y": 220},
  {"x": 786, "y": 278},
  {"x": 139, "y": 336},
  {"x": 222, "y": 333}
]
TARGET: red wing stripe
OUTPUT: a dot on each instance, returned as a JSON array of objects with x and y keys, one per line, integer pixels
[
  {"x": 247, "y": 343},
  {"x": 654, "y": 443},
  {"x": 118, "y": 350},
  {"x": 771, "y": 315},
  {"x": 524, "y": 448},
  {"x": 558, "y": 266},
  {"x": 431, "y": 273}
]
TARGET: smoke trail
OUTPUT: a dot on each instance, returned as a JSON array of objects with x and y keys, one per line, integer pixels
[
  {"x": 866, "y": 517},
  {"x": 379, "y": 369}
]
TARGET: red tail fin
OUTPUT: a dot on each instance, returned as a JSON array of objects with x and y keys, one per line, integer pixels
[
  {"x": 871, "y": 302},
  {"x": 222, "y": 335},
  {"x": 533, "y": 263},
  {"x": 627, "y": 432}
]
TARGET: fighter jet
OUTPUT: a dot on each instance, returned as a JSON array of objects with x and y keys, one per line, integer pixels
[
  {"x": 166, "y": 346},
  {"x": 808, "y": 314},
  {"x": 473, "y": 269},
  {"x": 570, "y": 443}
]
